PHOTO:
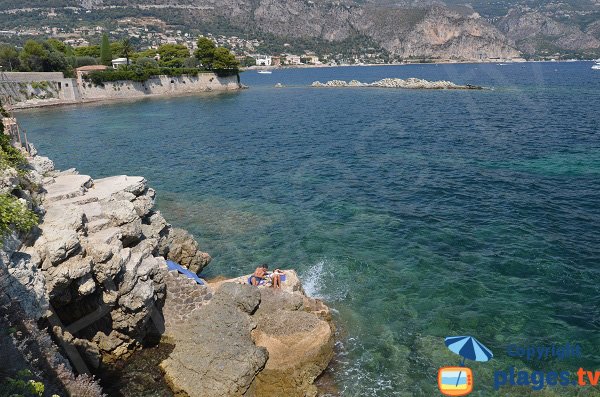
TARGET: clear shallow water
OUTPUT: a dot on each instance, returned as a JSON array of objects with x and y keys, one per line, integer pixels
[{"x": 414, "y": 214}]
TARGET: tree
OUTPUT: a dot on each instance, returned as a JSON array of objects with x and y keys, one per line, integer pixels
[
  {"x": 249, "y": 61},
  {"x": 224, "y": 60},
  {"x": 43, "y": 57},
  {"x": 205, "y": 52},
  {"x": 127, "y": 49},
  {"x": 105, "y": 51},
  {"x": 61, "y": 47},
  {"x": 173, "y": 55},
  {"x": 32, "y": 57},
  {"x": 9, "y": 58},
  {"x": 146, "y": 63},
  {"x": 90, "y": 51}
]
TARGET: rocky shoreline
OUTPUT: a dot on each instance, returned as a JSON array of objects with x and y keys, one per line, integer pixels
[
  {"x": 410, "y": 83},
  {"x": 93, "y": 274}
]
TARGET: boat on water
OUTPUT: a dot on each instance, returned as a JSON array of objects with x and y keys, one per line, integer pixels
[
  {"x": 596, "y": 66},
  {"x": 264, "y": 72}
]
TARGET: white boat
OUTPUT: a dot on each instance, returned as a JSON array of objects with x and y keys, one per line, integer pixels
[
  {"x": 596, "y": 66},
  {"x": 264, "y": 72}
]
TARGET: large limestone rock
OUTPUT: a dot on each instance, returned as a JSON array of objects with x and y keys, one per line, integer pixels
[
  {"x": 296, "y": 331},
  {"x": 183, "y": 249},
  {"x": 214, "y": 354},
  {"x": 9, "y": 180},
  {"x": 298, "y": 334},
  {"x": 97, "y": 260}
]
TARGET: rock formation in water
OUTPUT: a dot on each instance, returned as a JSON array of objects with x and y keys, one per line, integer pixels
[
  {"x": 94, "y": 274},
  {"x": 410, "y": 83},
  {"x": 255, "y": 341}
]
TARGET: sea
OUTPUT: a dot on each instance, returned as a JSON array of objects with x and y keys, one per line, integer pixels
[{"x": 414, "y": 214}]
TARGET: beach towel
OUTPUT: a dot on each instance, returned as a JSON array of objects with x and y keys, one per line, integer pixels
[{"x": 182, "y": 270}]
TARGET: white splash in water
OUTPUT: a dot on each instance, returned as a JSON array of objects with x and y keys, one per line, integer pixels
[
  {"x": 312, "y": 280},
  {"x": 325, "y": 280}
]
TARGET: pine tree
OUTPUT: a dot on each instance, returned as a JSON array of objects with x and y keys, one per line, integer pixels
[{"x": 105, "y": 51}]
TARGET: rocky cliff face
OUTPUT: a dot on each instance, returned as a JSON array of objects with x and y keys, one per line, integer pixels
[
  {"x": 436, "y": 32},
  {"x": 531, "y": 31},
  {"x": 97, "y": 261}
]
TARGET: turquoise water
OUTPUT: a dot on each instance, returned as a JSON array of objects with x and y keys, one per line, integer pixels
[{"x": 414, "y": 214}]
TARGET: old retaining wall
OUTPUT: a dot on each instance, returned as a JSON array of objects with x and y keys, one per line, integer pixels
[
  {"x": 160, "y": 85},
  {"x": 25, "y": 90}
]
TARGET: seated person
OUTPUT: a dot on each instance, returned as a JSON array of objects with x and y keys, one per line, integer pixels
[
  {"x": 259, "y": 276},
  {"x": 276, "y": 278}
]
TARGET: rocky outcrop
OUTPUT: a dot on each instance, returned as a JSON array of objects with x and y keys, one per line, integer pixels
[
  {"x": 411, "y": 83},
  {"x": 297, "y": 332},
  {"x": 181, "y": 247},
  {"x": 97, "y": 260},
  {"x": 282, "y": 340},
  {"x": 225, "y": 361}
]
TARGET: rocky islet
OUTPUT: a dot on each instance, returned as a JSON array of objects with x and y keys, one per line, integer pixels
[{"x": 410, "y": 83}]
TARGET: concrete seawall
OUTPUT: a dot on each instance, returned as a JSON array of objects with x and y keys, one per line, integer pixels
[{"x": 28, "y": 90}]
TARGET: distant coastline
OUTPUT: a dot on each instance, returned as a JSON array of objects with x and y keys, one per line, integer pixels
[{"x": 449, "y": 62}]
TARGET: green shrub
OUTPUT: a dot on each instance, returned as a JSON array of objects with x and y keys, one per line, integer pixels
[
  {"x": 23, "y": 386},
  {"x": 13, "y": 214},
  {"x": 42, "y": 85},
  {"x": 9, "y": 155}
]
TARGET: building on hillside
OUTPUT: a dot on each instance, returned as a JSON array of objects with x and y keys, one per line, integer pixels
[
  {"x": 292, "y": 59},
  {"x": 276, "y": 61},
  {"x": 263, "y": 60},
  {"x": 117, "y": 63},
  {"x": 84, "y": 70},
  {"x": 78, "y": 42},
  {"x": 313, "y": 59}
]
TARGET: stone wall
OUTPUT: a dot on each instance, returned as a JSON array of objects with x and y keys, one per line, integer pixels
[
  {"x": 27, "y": 77},
  {"x": 25, "y": 90},
  {"x": 161, "y": 85}
]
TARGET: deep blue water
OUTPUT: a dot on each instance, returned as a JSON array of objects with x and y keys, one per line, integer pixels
[{"x": 414, "y": 214}]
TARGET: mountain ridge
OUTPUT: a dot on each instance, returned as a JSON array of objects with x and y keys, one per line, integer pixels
[{"x": 404, "y": 29}]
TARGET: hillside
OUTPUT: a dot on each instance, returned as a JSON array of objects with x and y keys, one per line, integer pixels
[
  {"x": 394, "y": 29},
  {"x": 405, "y": 32}
]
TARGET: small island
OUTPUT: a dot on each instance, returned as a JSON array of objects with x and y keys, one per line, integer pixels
[{"x": 410, "y": 83}]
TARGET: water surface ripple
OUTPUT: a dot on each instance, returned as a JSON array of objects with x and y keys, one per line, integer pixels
[{"x": 414, "y": 214}]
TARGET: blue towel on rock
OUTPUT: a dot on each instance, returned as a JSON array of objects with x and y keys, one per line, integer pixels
[{"x": 188, "y": 273}]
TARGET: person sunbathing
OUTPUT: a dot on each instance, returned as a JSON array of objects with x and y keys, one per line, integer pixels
[
  {"x": 259, "y": 276},
  {"x": 276, "y": 278}
]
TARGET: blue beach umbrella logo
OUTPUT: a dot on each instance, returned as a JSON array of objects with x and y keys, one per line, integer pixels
[
  {"x": 468, "y": 348},
  {"x": 458, "y": 381}
]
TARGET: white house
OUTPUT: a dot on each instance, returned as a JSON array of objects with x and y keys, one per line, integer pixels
[
  {"x": 116, "y": 63},
  {"x": 263, "y": 60}
]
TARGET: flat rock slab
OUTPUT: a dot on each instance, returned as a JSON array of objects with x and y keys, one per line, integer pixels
[
  {"x": 67, "y": 186},
  {"x": 214, "y": 354},
  {"x": 104, "y": 188}
]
